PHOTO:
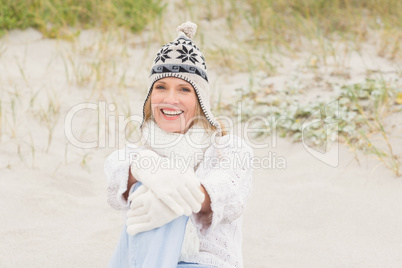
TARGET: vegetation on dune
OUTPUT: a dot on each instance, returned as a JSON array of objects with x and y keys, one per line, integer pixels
[
  {"x": 355, "y": 116},
  {"x": 271, "y": 21},
  {"x": 52, "y": 17},
  {"x": 320, "y": 34}
]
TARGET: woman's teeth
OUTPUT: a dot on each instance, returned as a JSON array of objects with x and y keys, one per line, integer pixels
[{"x": 171, "y": 113}]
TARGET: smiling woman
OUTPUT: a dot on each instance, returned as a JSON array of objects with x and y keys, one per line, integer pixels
[{"x": 184, "y": 206}]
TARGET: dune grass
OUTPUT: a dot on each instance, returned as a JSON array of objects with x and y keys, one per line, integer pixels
[
  {"x": 287, "y": 26},
  {"x": 281, "y": 21},
  {"x": 54, "y": 17},
  {"x": 260, "y": 30}
]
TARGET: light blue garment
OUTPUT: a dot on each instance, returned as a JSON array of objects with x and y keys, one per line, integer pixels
[{"x": 157, "y": 248}]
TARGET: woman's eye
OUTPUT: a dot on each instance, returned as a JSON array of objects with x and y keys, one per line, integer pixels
[
  {"x": 160, "y": 87},
  {"x": 185, "y": 89}
]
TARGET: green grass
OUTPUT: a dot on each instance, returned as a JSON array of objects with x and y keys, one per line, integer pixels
[{"x": 54, "y": 17}]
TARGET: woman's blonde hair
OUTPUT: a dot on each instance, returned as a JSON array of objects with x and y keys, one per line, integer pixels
[{"x": 198, "y": 119}]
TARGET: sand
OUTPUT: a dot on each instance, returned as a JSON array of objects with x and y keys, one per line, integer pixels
[{"x": 53, "y": 198}]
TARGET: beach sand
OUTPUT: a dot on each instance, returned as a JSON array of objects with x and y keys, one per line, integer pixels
[{"x": 53, "y": 210}]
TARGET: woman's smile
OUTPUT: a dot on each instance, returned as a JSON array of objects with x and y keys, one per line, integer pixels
[{"x": 171, "y": 114}]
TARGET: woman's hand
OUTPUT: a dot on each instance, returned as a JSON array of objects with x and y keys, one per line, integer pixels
[
  {"x": 178, "y": 189},
  {"x": 147, "y": 212}
]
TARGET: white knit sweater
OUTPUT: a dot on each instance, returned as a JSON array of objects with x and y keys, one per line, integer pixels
[{"x": 226, "y": 174}]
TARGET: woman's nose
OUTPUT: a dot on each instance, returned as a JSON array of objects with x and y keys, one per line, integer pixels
[{"x": 171, "y": 97}]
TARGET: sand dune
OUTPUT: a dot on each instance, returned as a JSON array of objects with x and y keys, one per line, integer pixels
[{"x": 53, "y": 203}]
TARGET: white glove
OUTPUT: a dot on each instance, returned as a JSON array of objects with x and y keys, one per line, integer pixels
[
  {"x": 178, "y": 189},
  {"x": 147, "y": 212}
]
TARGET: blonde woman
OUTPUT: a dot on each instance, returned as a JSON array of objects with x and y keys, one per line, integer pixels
[{"x": 186, "y": 187}]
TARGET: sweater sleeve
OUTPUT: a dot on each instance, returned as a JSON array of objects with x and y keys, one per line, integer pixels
[
  {"x": 228, "y": 181},
  {"x": 116, "y": 170}
]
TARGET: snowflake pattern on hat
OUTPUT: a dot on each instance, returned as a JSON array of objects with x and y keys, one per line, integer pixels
[
  {"x": 187, "y": 55},
  {"x": 162, "y": 55},
  {"x": 187, "y": 52}
]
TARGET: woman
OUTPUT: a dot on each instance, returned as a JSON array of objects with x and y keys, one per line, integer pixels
[{"x": 186, "y": 187}]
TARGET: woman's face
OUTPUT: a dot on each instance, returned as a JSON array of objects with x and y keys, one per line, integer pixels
[{"x": 173, "y": 104}]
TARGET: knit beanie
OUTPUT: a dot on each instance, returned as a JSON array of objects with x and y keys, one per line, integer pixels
[{"x": 181, "y": 58}]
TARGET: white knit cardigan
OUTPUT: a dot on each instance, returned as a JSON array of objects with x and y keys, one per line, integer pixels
[{"x": 226, "y": 174}]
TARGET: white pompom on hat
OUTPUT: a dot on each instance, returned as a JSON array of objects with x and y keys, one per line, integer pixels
[
  {"x": 181, "y": 58},
  {"x": 188, "y": 29}
]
